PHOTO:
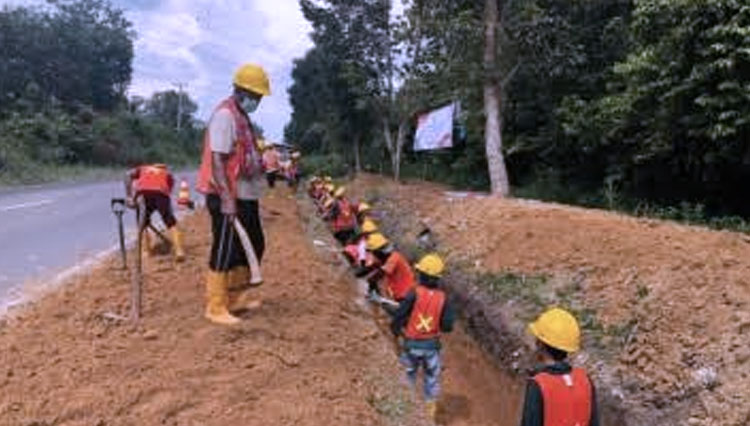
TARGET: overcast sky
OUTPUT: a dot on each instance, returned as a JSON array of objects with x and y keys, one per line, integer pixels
[{"x": 202, "y": 42}]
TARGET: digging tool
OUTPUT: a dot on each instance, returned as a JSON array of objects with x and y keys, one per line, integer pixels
[
  {"x": 252, "y": 259},
  {"x": 118, "y": 208},
  {"x": 376, "y": 298},
  {"x": 160, "y": 234},
  {"x": 136, "y": 296}
]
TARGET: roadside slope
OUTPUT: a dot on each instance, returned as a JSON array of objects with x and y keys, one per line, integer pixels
[{"x": 308, "y": 356}]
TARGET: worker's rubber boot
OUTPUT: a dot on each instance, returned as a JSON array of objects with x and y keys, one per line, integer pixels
[
  {"x": 217, "y": 295},
  {"x": 179, "y": 251},
  {"x": 240, "y": 298},
  {"x": 431, "y": 410}
]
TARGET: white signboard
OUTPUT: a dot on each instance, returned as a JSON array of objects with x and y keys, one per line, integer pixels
[{"x": 435, "y": 129}]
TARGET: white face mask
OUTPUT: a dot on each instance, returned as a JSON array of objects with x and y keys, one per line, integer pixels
[{"x": 249, "y": 104}]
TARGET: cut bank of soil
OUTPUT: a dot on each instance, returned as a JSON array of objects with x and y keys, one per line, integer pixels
[
  {"x": 684, "y": 292},
  {"x": 308, "y": 356}
]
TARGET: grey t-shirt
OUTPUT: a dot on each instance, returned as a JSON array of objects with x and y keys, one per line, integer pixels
[{"x": 221, "y": 130}]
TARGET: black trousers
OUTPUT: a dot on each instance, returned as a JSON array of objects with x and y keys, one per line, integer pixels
[
  {"x": 157, "y": 201},
  {"x": 226, "y": 248}
]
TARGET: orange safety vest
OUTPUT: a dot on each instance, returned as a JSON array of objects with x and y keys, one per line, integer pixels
[
  {"x": 424, "y": 322},
  {"x": 151, "y": 178},
  {"x": 345, "y": 220},
  {"x": 244, "y": 159},
  {"x": 399, "y": 276},
  {"x": 567, "y": 398}
]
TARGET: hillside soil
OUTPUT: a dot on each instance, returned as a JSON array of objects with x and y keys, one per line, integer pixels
[{"x": 665, "y": 307}]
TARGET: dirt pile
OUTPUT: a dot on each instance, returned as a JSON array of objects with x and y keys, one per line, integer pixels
[
  {"x": 307, "y": 357},
  {"x": 669, "y": 304}
]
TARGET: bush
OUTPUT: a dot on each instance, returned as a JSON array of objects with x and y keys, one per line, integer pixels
[{"x": 325, "y": 165}]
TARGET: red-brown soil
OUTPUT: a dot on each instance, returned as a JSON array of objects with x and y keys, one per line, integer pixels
[
  {"x": 309, "y": 356},
  {"x": 685, "y": 289}
]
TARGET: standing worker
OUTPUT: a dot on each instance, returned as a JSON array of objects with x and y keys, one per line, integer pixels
[
  {"x": 399, "y": 278},
  {"x": 421, "y": 317},
  {"x": 231, "y": 176},
  {"x": 154, "y": 183},
  {"x": 558, "y": 394},
  {"x": 272, "y": 164}
]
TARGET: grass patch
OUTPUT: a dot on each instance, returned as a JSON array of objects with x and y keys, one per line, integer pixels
[{"x": 37, "y": 174}]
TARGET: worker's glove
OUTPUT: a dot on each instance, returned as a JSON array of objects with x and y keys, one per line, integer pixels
[{"x": 130, "y": 202}]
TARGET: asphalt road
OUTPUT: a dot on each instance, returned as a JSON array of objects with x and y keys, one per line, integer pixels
[{"x": 47, "y": 230}]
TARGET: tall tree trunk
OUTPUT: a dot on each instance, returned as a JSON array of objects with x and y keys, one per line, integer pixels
[
  {"x": 493, "y": 139},
  {"x": 400, "y": 140},
  {"x": 357, "y": 160}
]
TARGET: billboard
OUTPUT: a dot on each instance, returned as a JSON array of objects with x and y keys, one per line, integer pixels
[{"x": 435, "y": 129}]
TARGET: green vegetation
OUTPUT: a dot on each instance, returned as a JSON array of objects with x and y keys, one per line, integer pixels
[
  {"x": 634, "y": 105},
  {"x": 64, "y": 71}
]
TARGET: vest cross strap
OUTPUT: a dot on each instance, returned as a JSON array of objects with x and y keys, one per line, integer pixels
[{"x": 424, "y": 322}]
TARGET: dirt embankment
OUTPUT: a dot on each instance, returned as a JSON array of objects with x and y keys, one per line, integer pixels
[
  {"x": 307, "y": 357},
  {"x": 665, "y": 307}
]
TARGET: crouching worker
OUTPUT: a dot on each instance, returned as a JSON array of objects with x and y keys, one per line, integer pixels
[
  {"x": 361, "y": 260},
  {"x": 341, "y": 215},
  {"x": 420, "y": 318},
  {"x": 395, "y": 270},
  {"x": 154, "y": 183},
  {"x": 557, "y": 393}
]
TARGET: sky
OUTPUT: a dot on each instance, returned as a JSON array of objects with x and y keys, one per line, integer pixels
[{"x": 201, "y": 42}]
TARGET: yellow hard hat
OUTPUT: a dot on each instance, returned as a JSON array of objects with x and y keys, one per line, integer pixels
[
  {"x": 363, "y": 207},
  {"x": 559, "y": 329},
  {"x": 252, "y": 78},
  {"x": 328, "y": 179},
  {"x": 159, "y": 165},
  {"x": 431, "y": 265},
  {"x": 330, "y": 187},
  {"x": 260, "y": 143},
  {"x": 376, "y": 242},
  {"x": 369, "y": 226},
  {"x": 296, "y": 155},
  {"x": 340, "y": 192}
]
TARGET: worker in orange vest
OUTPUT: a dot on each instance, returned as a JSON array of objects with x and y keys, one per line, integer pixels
[
  {"x": 395, "y": 269},
  {"x": 422, "y": 316},
  {"x": 342, "y": 217},
  {"x": 154, "y": 183},
  {"x": 272, "y": 164},
  {"x": 231, "y": 176},
  {"x": 558, "y": 394},
  {"x": 356, "y": 252}
]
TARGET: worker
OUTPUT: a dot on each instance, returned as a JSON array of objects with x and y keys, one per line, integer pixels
[
  {"x": 231, "y": 176},
  {"x": 420, "y": 319},
  {"x": 356, "y": 252},
  {"x": 363, "y": 212},
  {"x": 293, "y": 170},
  {"x": 395, "y": 269},
  {"x": 272, "y": 164},
  {"x": 558, "y": 394},
  {"x": 340, "y": 213},
  {"x": 154, "y": 183}
]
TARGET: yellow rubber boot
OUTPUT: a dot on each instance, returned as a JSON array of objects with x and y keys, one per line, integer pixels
[
  {"x": 431, "y": 409},
  {"x": 217, "y": 295},
  {"x": 179, "y": 251},
  {"x": 240, "y": 298}
]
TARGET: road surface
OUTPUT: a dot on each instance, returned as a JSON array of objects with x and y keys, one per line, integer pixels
[{"x": 47, "y": 230}]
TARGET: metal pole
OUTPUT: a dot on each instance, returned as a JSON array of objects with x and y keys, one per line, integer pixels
[{"x": 136, "y": 297}]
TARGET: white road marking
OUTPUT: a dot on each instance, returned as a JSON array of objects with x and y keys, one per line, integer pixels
[{"x": 25, "y": 205}]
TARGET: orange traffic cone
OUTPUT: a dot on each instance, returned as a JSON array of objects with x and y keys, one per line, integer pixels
[{"x": 183, "y": 196}]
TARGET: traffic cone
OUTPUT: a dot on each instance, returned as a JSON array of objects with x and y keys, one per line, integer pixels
[{"x": 183, "y": 196}]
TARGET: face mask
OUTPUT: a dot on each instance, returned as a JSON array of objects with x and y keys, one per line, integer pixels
[{"x": 249, "y": 104}]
